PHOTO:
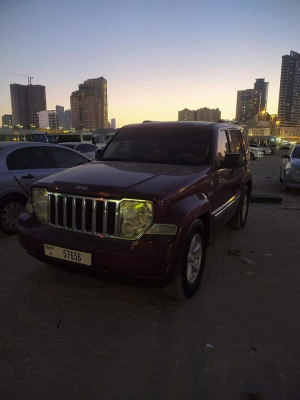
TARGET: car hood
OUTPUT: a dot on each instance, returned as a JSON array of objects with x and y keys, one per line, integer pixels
[{"x": 121, "y": 179}]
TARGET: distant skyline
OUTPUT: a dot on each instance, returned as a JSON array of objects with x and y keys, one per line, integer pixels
[{"x": 158, "y": 57}]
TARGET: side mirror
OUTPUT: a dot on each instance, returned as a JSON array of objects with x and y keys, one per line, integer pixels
[
  {"x": 98, "y": 154},
  {"x": 284, "y": 156},
  {"x": 232, "y": 161}
]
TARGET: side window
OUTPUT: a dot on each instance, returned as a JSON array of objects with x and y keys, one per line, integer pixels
[
  {"x": 86, "y": 147},
  {"x": 64, "y": 158},
  {"x": 27, "y": 158},
  {"x": 223, "y": 146},
  {"x": 235, "y": 142}
]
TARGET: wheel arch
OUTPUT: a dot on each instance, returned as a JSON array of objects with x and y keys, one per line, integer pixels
[{"x": 13, "y": 194}]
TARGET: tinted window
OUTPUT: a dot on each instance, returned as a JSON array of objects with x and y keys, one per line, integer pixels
[
  {"x": 223, "y": 146},
  {"x": 28, "y": 158},
  {"x": 39, "y": 137},
  {"x": 296, "y": 152},
  {"x": 234, "y": 140},
  {"x": 64, "y": 158},
  {"x": 68, "y": 138},
  {"x": 86, "y": 138},
  {"x": 180, "y": 145},
  {"x": 86, "y": 147}
]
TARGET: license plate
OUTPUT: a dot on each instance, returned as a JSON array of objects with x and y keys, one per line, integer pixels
[{"x": 68, "y": 255}]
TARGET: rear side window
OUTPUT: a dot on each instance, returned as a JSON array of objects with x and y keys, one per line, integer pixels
[
  {"x": 28, "y": 158},
  {"x": 235, "y": 142},
  {"x": 223, "y": 146},
  {"x": 296, "y": 152},
  {"x": 64, "y": 158},
  {"x": 86, "y": 147}
]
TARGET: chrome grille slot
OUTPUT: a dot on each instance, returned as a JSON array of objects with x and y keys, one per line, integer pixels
[{"x": 83, "y": 214}]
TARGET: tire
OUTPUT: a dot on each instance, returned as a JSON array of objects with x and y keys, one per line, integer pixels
[
  {"x": 285, "y": 188},
  {"x": 190, "y": 265},
  {"x": 10, "y": 209},
  {"x": 239, "y": 219},
  {"x": 252, "y": 156},
  {"x": 280, "y": 179}
]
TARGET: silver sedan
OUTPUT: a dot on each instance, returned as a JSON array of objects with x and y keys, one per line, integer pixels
[
  {"x": 290, "y": 169},
  {"x": 23, "y": 163}
]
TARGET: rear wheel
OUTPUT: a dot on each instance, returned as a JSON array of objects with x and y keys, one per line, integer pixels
[
  {"x": 10, "y": 209},
  {"x": 240, "y": 217},
  {"x": 191, "y": 264}
]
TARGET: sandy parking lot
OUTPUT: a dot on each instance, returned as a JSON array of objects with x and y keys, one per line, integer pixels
[{"x": 68, "y": 336}]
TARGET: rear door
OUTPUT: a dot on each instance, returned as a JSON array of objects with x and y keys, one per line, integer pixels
[
  {"x": 227, "y": 182},
  {"x": 29, "y": 164}
]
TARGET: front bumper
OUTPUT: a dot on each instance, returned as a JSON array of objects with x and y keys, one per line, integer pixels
[
  {"x": 292, "y": 181},
  {"x": 149, "y": 258}
]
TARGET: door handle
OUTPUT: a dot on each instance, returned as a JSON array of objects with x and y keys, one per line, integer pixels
[{"x": 28, "y": 176}]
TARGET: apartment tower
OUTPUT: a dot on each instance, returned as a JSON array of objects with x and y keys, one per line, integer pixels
[
  {"x": 251, "y": 102},
  {"x": 260, "y": 98},
  {"x": 289, "y": 92},
  {"x": 89, "y": 105},
  {"x": 26, "y": 102}
]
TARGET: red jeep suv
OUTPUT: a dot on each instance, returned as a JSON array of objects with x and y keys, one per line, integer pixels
[{"x": 148, "y": 207}]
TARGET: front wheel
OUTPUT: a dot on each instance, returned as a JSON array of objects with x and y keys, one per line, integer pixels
[
  {"x": 190, "y": 265},
  {"x": 10, "y": 209},
  {"x": 240, "y": 217}
]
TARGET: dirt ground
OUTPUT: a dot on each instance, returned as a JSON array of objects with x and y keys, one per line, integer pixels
[{"x": 68, "y": 336}]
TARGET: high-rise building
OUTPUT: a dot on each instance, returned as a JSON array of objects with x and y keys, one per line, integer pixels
[
  {"x": 260, "y": 95},
  {"x": 48, "y": 119},
  {"x": 245, "y": 105},
  {"x": 202, "y": 114},
  {"x": 289, "y": 93},
  {"x": 60, "y": 114},
  {"x": 26, "y": 102},
  {"x": 113, "y": 123},
  {"x": 187, "y": 115},
  {"x": 67, "y": 120},
  {"x": 208, "y": 114},
  {"x": 89, "y": 105},
  {"x": 7, "y": 120},
  {"x": 252, "y": 101}
]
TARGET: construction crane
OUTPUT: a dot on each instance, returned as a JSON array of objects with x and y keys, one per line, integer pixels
[{"x": 29, "y": 78}]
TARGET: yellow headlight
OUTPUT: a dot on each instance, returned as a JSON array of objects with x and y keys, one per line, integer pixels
[
  {"x": 40, "y": 204},
  {"x": 135, "y": 217}
]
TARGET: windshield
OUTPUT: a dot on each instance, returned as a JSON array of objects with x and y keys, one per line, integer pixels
[
  {"x": 159, "y": 144},
  {"x": 296, "y": 152},
  {"x": 39, "y": 137}
]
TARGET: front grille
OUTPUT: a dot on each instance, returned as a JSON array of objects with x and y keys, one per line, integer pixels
[{"x": 84, "y": 214}]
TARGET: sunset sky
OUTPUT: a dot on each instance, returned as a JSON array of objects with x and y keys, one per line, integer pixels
[{"x": 157, "y": 56}]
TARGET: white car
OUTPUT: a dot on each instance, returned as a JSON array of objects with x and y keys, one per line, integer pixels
[
  {"x": 266, "y": 150},
  {"x": 86, "y": 149},
  {"x": 255, "y": 152}
]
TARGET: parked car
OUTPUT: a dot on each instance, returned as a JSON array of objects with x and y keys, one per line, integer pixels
[
  {"x": 23, "y": 163},
  {"x": 89, "y": 150},
  {"x": 290, "y": 169},
  {"x": 266, "y": 150},
  {"x": 148, "y": 208},
  {"x": 255, "y": 153}
]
